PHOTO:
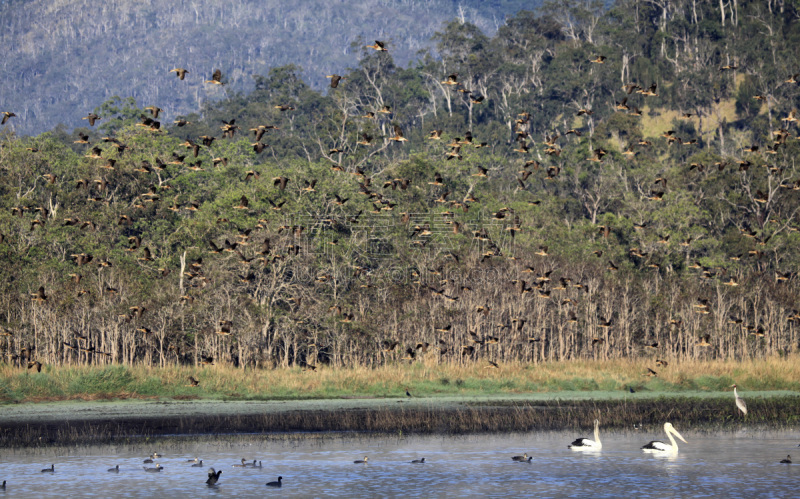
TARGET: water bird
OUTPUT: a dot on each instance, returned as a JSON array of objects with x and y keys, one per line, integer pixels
[
  {"x": 213, "y": 476},
  {"x": 335, "y": 79},
  {"x": 361, "y": 461},
  {"x": 216, "y": 78},
  {"x": 115, "y": 469},
  {"x": 277, "y": 483},
  {"x": 180, "y": 71},
  {"x": 525, "y": 458},
  {"x": 658, "y": 447},
  {"x": 379, "y": 46},
  {"x": 788, "y": 460},
  {"x": 739, "y": 401},
  {"x": 198, "y": 464},
  {"x": 242, "y": 465},
  {"x": 585, "y": 444},
  {"x": 7, "y": 115},
  {"x": 418, "y": 461},
  {"x": 51, "y": 469},
  {"x": 155, "y": 469}
]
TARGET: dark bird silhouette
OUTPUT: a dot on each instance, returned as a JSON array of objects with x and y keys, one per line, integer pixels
[
  {"x": 213, "y": 476},
  {"x": 7, "y": 115},
  {"x": 281, "y": 182},
  {"x": 39, "y": 296},
  {"x": 335, "y": 79},
  {"x": 277, "y": 483}
]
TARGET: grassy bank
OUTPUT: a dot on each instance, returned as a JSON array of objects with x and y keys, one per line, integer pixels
[
  {"x": 151, "y": 403},
  {"x": 223, "y": 383}
]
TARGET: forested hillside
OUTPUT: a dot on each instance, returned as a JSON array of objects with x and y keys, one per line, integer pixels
[
  {"x": 60, "y": 59},
  {"x": 587, "y": 182}
]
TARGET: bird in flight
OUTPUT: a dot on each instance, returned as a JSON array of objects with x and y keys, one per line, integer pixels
[
  {"x": 180, "y": 72},
  {"x": 216, "y": 78}
]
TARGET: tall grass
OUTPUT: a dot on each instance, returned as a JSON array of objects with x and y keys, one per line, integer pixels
[{"x": 218, "y": 382}]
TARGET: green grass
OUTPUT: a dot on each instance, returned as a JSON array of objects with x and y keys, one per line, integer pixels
[{"x": 421, "y": 380}]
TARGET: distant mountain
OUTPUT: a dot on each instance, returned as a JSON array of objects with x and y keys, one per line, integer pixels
[{"x": 63, "y": 59}]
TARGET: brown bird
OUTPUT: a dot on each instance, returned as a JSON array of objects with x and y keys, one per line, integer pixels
[
  {"x": 335, "y": 79},
  {"x": 91, "y": 117},
  {"x": 451, "y": 79},
  {"x": 180, "y": 72},
  {"x": 280, "y": 182},
  {"x": 7, "y": 115},
  {"x": 39, "y": 295},
  {"x": 379, "y": 46},
  {"x": 398, "y": 134},
  {"x": 154, "y": 111},
  {"x": 216, "y": 78}
]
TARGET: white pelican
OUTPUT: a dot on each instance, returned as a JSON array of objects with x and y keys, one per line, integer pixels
[
  {"x": 739, "y": 401},
  {"x": 586, "y": 444},
  {"x": 656, "y": 447}
]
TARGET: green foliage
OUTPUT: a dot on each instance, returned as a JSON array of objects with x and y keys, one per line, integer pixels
[{"x": 363, "y": 245}]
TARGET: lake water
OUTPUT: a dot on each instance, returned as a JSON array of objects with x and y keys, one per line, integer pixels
[{"x": 726, "y": 465}]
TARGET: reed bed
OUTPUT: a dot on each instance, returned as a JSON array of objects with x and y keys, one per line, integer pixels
[{"x": 698, "y": 413}]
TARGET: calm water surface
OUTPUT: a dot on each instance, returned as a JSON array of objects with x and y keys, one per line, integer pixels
[{"x": 725, "y": 465}]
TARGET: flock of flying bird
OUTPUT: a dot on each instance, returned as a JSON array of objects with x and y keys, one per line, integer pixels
[
  {"x": 541, "y": 284},
  {"x": 268, "y": 253}
]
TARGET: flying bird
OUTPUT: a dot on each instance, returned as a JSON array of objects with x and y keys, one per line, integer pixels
[{"x": 216, "y": 78}]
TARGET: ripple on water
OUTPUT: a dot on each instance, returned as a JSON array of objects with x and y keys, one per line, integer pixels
[{"x": 710, "y": 465}]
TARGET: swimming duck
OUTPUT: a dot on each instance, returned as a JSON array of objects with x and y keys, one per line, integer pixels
[
  {"x": 115, "y": 469},
  {"x": 51, "y": 469},
  {"x": 275, "y": 484}
]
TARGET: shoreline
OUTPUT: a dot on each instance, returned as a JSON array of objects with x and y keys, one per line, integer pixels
[{"x": 92, "y": 422}]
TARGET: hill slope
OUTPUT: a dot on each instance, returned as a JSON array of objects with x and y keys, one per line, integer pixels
[{"x": 61, "y": 59}]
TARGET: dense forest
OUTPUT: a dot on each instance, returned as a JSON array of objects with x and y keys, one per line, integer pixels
[
  {"x": 61, "y": 58},
  {"x": 588, "y": 182}
]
